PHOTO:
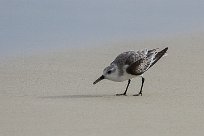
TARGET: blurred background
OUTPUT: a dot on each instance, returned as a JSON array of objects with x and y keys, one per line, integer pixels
[{"x": 28, "y": 26}]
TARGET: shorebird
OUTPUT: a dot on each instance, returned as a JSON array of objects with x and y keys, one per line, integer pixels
[{"x": 131, "y": 64}]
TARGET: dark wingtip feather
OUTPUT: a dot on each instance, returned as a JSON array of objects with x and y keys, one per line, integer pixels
[
  {"x": 165, "y": 49},
  {"x": 159, "y": 55}
]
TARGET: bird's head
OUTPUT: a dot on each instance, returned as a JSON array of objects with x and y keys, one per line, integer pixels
[{"x": 109, "y": 73}]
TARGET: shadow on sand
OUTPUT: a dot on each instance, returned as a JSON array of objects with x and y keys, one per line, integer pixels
[{"x": 76, "y": 96}]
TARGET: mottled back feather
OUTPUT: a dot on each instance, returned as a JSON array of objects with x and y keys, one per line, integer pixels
[
  {"x": 142, "y": 65},
  {"x": 139, "y": 61},
  {"x": 127, "y": 58}
]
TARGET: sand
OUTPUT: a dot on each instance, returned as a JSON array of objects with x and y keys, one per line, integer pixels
[{"x": 51, "y": 94}]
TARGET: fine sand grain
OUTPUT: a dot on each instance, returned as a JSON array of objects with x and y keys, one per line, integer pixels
[{"x": 52, "y": 94}]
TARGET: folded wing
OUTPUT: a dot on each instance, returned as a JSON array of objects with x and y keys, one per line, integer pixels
[{"x": 143, "y": 64}]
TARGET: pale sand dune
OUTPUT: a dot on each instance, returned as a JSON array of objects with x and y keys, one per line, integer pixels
[{"x": 53, "y": 95}]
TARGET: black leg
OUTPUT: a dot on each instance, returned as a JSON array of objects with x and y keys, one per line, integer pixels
[
  {"x": 140, "y": 93},
  {"x": 125, "y": 89}
]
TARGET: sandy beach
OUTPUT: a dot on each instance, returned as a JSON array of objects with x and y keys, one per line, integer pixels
[{"x": 52, "y": 94}]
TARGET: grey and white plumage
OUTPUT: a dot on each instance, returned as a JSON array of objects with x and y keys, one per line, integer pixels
[{"x": 131, "y": 64}]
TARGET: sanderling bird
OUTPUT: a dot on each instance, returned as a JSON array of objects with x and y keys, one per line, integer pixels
[{"x": 131, "y": 64}]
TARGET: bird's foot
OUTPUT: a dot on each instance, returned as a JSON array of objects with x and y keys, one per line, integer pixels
[
  {"x": 138, "y": 94},
  {"x": 123, "y": 94}
]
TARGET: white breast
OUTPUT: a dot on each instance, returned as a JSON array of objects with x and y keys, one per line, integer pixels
[
  {"x": 125, "y": 76},
  {"x": 120, "y": 78}
]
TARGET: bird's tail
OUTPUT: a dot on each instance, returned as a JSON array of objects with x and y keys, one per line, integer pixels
[{"x": 158, "y": 56}]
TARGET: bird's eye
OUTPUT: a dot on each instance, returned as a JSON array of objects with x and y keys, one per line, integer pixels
[{"x": 109, "y": 72}]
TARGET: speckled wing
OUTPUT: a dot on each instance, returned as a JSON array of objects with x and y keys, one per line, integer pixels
[
  {"x": 133, "y": 58},
  {"x": 145, "y": 62},
  {"x": 127, "y": 58},
  {"x": 139, "y": 67},
  {"x": 124, "y": 58}
]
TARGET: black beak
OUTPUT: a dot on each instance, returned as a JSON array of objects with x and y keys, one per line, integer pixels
[{"x": 99, "y": 79}]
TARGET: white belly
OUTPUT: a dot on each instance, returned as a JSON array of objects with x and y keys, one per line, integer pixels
[{"x": 123, "y": 77}]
